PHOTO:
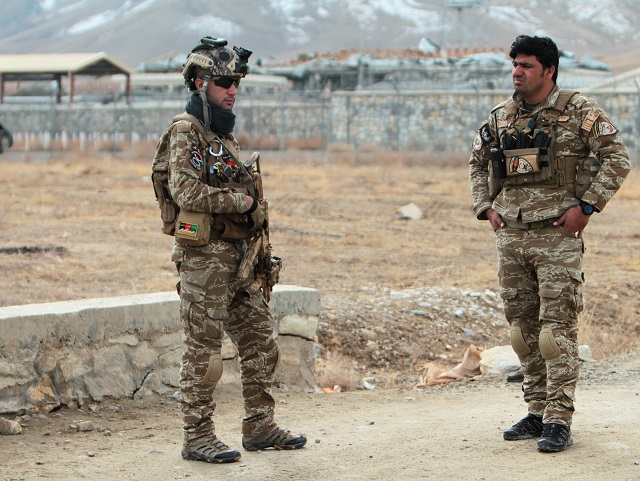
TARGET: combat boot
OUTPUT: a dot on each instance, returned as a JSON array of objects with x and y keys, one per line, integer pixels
[
  {"x": 210, "y": 450},
  {"x": 555, "y": 438},
  {"x": 277, "y": 439},
  {"x": 527, "y": 428}
]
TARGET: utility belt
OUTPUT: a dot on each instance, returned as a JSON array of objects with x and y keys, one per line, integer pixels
[{"x": 539, "y": 224}]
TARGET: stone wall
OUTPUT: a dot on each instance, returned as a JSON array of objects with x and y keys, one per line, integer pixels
[
  {"x": 442, "y": 121},
  {"x": 431, "y": 121},
  {"x": 76, "y": 352}
]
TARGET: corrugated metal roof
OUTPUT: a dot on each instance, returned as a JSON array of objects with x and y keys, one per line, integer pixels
[{"x": 61, "y": 64}]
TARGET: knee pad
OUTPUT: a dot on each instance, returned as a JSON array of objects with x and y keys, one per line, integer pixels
[
  {"x": 549, "y": 348},
  {"x": 214, "y": 370},
  {"x": 520, "y": 346}
]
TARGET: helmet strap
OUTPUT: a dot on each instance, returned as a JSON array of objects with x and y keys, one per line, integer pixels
[{"x": 206, "y": 109}]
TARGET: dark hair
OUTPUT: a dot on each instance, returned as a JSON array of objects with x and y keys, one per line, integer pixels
[{"x": 543, "y": 48}]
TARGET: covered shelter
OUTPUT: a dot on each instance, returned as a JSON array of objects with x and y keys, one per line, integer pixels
[{"x": 53, "y": 67}]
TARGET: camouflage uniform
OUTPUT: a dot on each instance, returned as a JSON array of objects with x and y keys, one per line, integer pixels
[
  {"x": 214, "y": 300},
  {"x": 540, "y": 265}
]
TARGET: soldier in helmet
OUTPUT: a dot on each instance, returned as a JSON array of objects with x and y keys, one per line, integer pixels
[
  {"x": 5, "y": 134},
  {"x": 206, "y": 179},
  {"x": 543, "y": 164}
]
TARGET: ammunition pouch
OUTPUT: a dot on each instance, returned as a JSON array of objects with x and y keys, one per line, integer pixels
[
  {"x": 497, "y": 172},
  {"x": 532, "y": 167},
  {"x": 193, "y": 228},
  {"x": 168, "y": 208}
]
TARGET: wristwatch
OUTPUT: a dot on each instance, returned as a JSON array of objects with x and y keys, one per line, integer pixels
[{"x": 587, "y": 209}]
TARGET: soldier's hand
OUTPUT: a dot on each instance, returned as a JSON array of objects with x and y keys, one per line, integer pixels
[
  {"x": 255, "y": 217},
  {"x": 249, "y": 202},
  {"x": 495, "y": 219},
  {"x": 574, "y": 221}
]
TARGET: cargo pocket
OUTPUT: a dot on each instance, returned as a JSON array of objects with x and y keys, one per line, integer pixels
[
  {"x": 508, "y": 296},
  {"x": 191, "y": 310},
  {"x": 550, "y": 300},
  {"x": 578, "y": 279},
  {"x": 561, "y": 304},
  {"x": 216, "y": 310}
]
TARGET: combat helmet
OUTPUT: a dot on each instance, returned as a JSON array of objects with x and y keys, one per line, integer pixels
[{"x": 212, "y": 58}]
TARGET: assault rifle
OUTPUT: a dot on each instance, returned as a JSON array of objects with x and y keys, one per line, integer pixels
[{"x": 268, "y": 267}]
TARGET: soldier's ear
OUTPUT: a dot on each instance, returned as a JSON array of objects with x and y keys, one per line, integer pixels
[{"x": 548, "y": 72}]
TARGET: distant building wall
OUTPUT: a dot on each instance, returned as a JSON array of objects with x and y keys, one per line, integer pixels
[{"x": 442, "y": 121}]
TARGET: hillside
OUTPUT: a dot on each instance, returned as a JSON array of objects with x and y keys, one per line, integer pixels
[{"x": 136, "y": 31}]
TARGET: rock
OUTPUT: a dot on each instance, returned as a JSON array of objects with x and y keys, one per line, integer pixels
[
  {"x": 584, "y": 353},
  {"x": 85, "y": 426},
  {"x": 499, "y": 360},
  {"x": 9, "y": 427},
  {"x": 409, "y": 212},
  {"x": 296, "y": 325}
]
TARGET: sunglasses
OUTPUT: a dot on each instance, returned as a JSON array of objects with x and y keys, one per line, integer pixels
[{"x": 226, "y": 82}]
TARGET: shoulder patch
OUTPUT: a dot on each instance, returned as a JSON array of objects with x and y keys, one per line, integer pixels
[
  {"x": 485, "y": 133},
  {"x": 601, "y": 129},
  {"x": 196, "y": 160},
  {"x": 589, "y": 120},
  {"x": 477, "y": 142},
  {"x": 483, "y": 137}
]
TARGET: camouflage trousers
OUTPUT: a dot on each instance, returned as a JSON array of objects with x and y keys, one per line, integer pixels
[
  {"x": 541, "y": 279},
  {"x": 213, "y": 300}
]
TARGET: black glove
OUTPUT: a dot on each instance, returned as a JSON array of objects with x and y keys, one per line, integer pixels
[{"x": 255, "y": 217}]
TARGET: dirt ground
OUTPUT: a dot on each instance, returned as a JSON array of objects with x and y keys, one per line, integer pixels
[
  {"x": 397, "y": 295},
  {"x": 449, "y": 432}
]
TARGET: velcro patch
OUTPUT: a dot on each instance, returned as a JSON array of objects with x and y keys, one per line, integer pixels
[
  {"x": 520, "y": 165},
  {"x": 482, "y": 137},
  {"x": 196, "y": 160},
  {"x": 477, "y": 142},
  {"x": 601, "y": 129},
  {"x": 589, "y": 120},
  {"x": 485, "y": 133}
]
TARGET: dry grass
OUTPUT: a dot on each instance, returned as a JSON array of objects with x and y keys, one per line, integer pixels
[{"x": 333, "y": 217}]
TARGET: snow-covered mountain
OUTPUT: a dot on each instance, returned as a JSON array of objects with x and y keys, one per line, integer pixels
[{"x": 136, "y": 31}]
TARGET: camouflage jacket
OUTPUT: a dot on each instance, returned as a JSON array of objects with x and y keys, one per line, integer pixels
[
  {"x": 578, "y": 132},
  {"x": 189, "y": 156}
]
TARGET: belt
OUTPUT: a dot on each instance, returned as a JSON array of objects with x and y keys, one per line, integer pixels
[{"x": 539, "y": 224}]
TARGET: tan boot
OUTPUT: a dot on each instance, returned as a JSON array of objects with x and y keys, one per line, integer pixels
[
  {"x": 210, "y": 450},
  {"x": 277, "y": 439}
]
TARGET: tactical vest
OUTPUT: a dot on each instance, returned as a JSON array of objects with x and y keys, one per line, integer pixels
[
  {"x": 220, "y": 169},
  {"x": 536, "y": 166}
]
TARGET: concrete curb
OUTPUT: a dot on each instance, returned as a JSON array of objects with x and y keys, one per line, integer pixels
[{"x": 74, "y": 352}]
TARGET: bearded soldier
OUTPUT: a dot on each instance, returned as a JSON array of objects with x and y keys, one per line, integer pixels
[
  {"x": 211, "y": 202},
  {"x": 542, "y": 164}
]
